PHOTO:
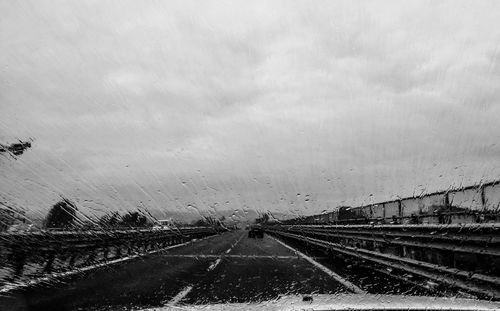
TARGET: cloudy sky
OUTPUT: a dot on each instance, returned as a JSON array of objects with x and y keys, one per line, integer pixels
[{"x": 293, "y": 106}]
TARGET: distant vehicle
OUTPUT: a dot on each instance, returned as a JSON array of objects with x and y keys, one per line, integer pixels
[{"x": 256, "y": 232}]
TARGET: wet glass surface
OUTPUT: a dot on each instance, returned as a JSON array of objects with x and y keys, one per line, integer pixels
[{"x": 183, "y": 154}]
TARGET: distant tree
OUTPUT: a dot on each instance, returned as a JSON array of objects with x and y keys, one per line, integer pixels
[
  {"x": 61, "y": 215},
  {"x": 200, "y": 223},
  {"x": 262, "y": 220},
  {"x": 134, "y": 219},
  {"x": 204, "y": 222},
  {"x": 16, "y": 148},
  {"x": 110, "y": 220}
]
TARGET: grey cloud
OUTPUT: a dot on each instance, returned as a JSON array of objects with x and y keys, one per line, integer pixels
[{"x": 338, "y": 100}]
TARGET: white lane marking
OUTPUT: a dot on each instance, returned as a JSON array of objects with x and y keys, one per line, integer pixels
[
  {"x": 334, "y": 275},
  {"x": 183, "y": 293},
  {"x": 219, "y": 259},
  {"x": 54, "y": 276},
  {"x": 233, "y": 245},
  {"x": 214, "y": 264}
]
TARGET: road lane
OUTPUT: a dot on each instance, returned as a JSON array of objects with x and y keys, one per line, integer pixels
[
  {"x": 26, "y": 282},
  {"x": 186, "y": 290},
  {"x": 366, "y": 276},
  {"x": 353, "y": 288},
  {"x": 148, "y": 281},
  {"x": 260, "y": 247},
  {"x": 213, "y": 246},
  {"x": 225, "y": 268},
  {"x": 261, "y": 269}
]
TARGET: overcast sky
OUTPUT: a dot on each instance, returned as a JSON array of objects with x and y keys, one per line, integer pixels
[{"x": 293, "y": 106}]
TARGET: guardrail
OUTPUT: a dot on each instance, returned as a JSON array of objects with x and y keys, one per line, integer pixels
[
  {"x": 32, "y": 255},
  {"x": 461, "y": 256}
]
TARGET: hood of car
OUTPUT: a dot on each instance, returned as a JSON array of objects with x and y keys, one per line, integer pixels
[{"x": 362, "y": 302}]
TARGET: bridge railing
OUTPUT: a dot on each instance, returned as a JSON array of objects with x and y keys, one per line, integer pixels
[
  {"x": 35, "y": 254},
  {"x": 463, "y": 256},
  {"x": 471, "y": 204}
]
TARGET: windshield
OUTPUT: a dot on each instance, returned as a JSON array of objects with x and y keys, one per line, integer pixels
[{"x": 178, "y": 154}]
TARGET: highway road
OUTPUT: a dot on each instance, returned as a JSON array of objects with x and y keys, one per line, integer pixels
[{"x": 225, "y": 268}]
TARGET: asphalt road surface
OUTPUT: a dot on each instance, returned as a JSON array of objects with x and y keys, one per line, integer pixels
[{"x": 226, "y": 268}]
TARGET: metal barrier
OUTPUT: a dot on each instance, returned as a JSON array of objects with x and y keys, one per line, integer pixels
[
  {"x": 461, "y": 256},
  {"x": 33, "y": 255}
]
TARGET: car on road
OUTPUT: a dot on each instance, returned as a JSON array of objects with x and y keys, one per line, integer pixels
[{"x": 256, "y": 232}]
